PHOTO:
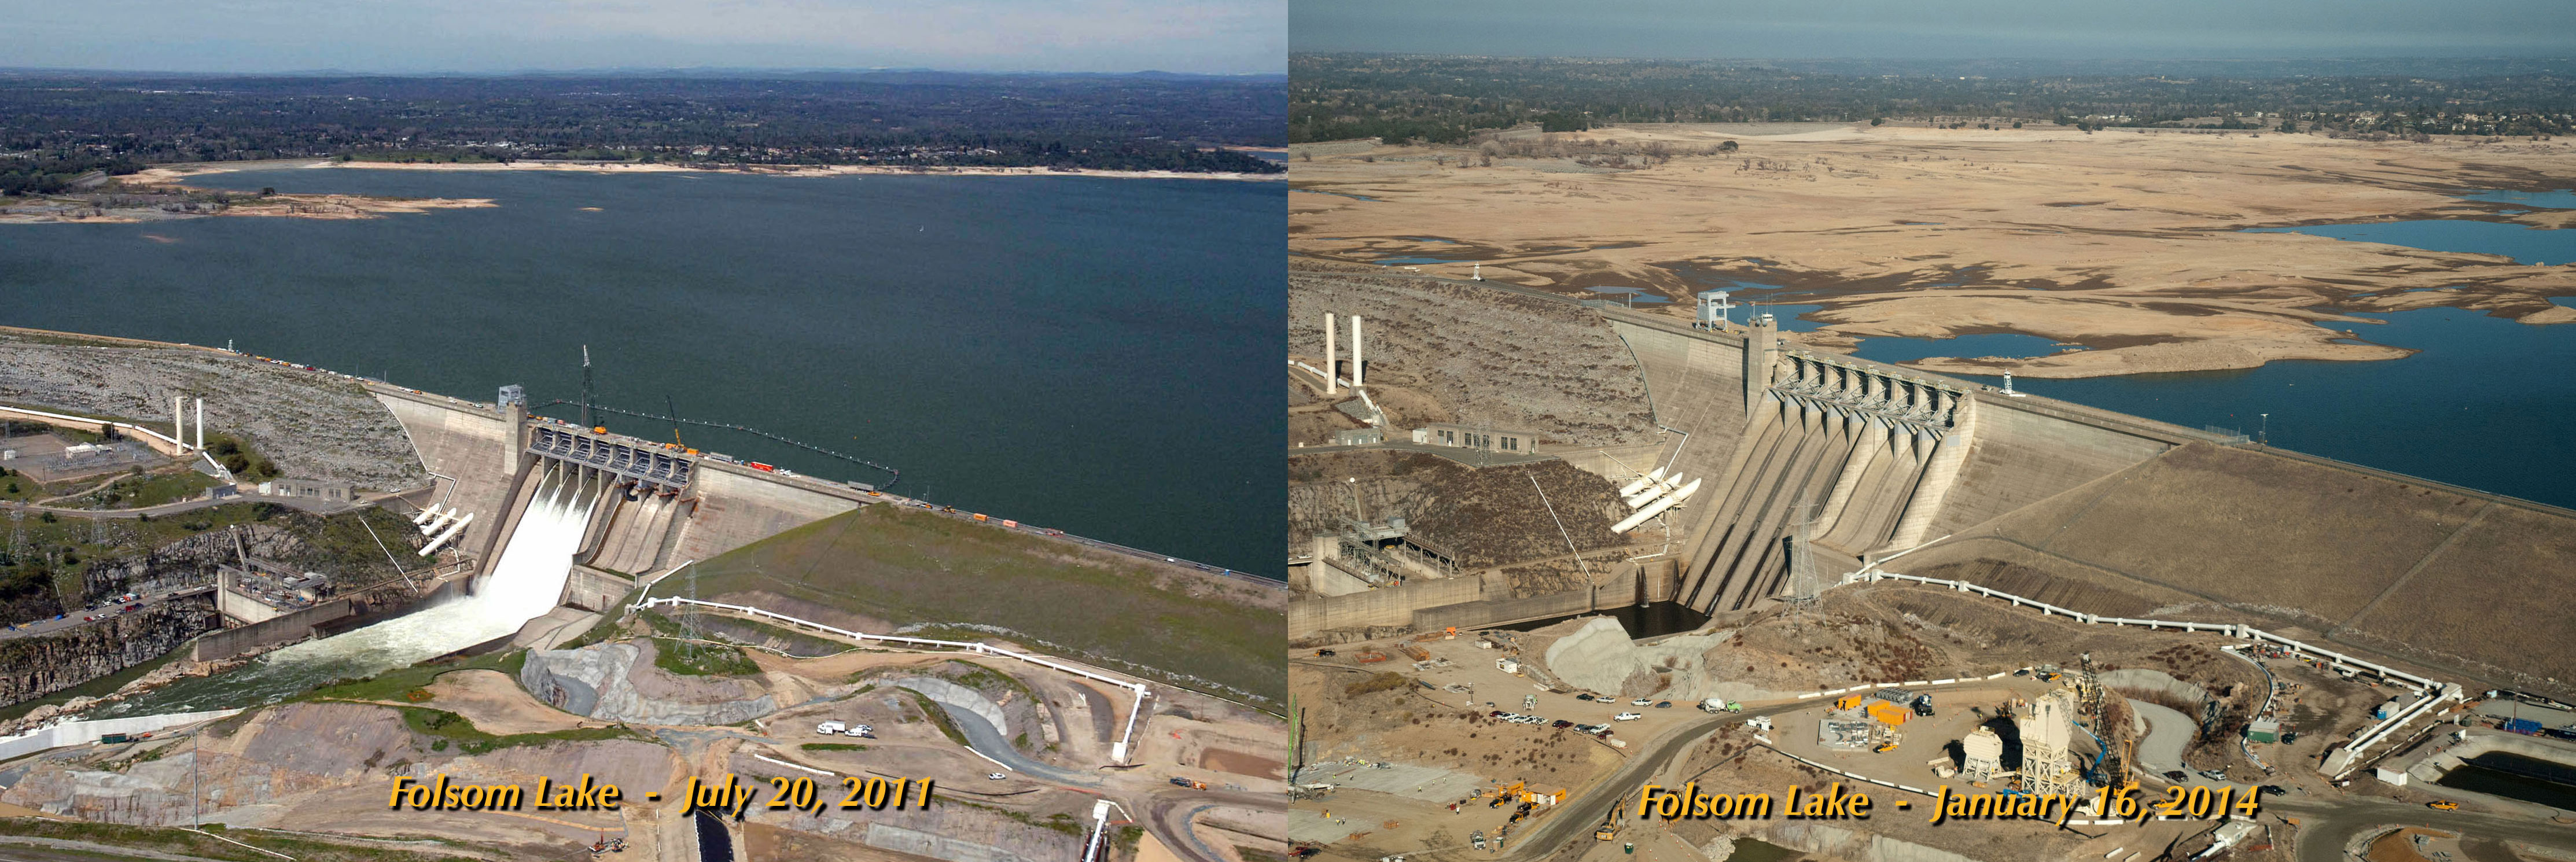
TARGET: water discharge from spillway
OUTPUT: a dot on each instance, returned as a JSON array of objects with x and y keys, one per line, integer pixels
[{"x": 523, "y": 585}]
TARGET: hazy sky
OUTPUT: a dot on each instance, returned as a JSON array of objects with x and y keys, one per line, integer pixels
[
  {"x": 1205, "y": 36},
  {"x": 1694, "y": 29}
]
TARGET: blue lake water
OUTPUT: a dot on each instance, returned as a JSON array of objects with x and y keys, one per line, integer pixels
[
  {"x": 1964, "y": 346},
  {"x": 2524, "y": 244},
  {"x": 2482, "y": 406},
  {"x": 1095, "y": 355}
]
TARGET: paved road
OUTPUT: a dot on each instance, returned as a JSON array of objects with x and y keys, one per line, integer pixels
[
  {"x": 1168, "y": 813},
  {"x": 308, "y": 504},
  {"x": 73, "y": 620},
  {"x": 2325, "y": 825}
]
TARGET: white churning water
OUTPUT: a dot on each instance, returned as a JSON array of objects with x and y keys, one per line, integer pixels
[{"x": 524, "y": 585}]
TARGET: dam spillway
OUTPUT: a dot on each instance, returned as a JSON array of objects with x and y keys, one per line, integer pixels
[{"x": 523, "y": 584}]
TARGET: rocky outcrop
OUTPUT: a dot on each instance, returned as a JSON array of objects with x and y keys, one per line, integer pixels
[
  {"x": 37, "y": 665},
  {"x": 618, "y": 682}
]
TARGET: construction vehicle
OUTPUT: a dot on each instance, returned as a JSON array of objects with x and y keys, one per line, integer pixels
[
  {"x": 1609, "y": 827},
  {"x": 1716, "y": 705},
  {"x": 1884, "y": 748},
  {"x": 1477, "y": 839},
  {"x": 1190, "y": 783},
  {"x": 2443, "y": 805}
]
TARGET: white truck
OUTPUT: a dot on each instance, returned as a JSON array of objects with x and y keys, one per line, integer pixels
[
  {"x": 831, "y": 728},
  {"x": 1716, "y": 705}
]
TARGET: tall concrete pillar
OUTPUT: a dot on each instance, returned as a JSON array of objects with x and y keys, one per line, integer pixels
[
  {"x": 1761, "y": 349},
  {"x": 1332, "y": 375},
  {"x": 201, "y": 424},
  {"x": 1358, "y": 366}
]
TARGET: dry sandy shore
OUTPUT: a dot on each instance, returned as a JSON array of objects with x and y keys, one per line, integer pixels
[
  {"x": 2124, "y": 242},
  {"x": 332, "y": 206}
]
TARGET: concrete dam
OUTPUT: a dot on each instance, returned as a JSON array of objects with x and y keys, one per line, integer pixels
[{"x": 1850, "y": 462}]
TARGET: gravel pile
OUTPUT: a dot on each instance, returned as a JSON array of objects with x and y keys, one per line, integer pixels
[{"x": 313, "y": 425}]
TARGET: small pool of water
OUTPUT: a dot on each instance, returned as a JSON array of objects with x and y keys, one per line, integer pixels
[
  {"x": 2527, "y": 245},
  {"x": 1659, "y": 618},
  {"x": 1631, "y": 295},
  {"x": 2010, "y": 344},
  {"x": 1413, "y": 261},
  {"x": 2514, "y": 776}
]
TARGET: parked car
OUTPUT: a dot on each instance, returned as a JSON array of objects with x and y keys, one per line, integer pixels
[
  {"x": 1663, "y": 704},
  {"x": 996, "y": 776},
  {"x": 1628, "y": 716},
  {"x": 2176, "y": 775},
  {"x": 1561, "y": 724},
  {"x": 1641, "y": 701},
  {"x": 2275, "y": 790},
  {"x": 1582, "y": 696}
]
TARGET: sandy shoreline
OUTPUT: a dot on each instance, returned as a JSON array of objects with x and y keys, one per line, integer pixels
[
  {"x": 2125, "y": 243},
  {"x": 339, "y": 206},
  {"x": 175, "y": 171}
]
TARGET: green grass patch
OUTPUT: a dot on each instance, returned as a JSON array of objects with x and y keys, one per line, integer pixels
[
  {"x": 185, "y": 843},
  {"x": 916, "y": 568},
  {"x": 985, "y": 679},
  {"x": 140, "y": 492},
  {"x": 1251, "y": 855},
  {"x": 443, "y": 726},
  {"x": 701, "y": 659},
  {"x": 833, "y": 746},
  {"x": 939, "y": 717},
  {"x": 395, "y": 684}
]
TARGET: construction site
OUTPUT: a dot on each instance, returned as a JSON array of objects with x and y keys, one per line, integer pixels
[{"x": 1817, "y": 569}]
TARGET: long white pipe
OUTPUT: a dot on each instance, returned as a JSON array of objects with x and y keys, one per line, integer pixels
[
  {"x": 1656, "y": 508},
  {"x": 450, "y": 534},
  {"x": 425, "y": 515},
  {"x": 1118, "y": 753},
  {"x": 441, "y": 522},
  {"x": 1642, "y": 482},
  {"x": 201, "y": 424},
  {"x": 1657, "y": 489},
  {"x": 178, "y": 422},
  {"x": 1331, "y": 375}
]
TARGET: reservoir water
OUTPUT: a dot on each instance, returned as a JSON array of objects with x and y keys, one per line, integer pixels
[
  {"x": 2482, "y": 405},
  {"x": 1094, "y": 355}
]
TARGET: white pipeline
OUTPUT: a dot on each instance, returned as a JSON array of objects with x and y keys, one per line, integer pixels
[
  {"x": 201, "y": 424},
  {"x": 440, "y": 523},
  {"x": 432, "y": 547},
  {"x": 1330, "y": 373},
  {"x": 1359, "y": 371},
  {"x": 425, "y": 515},
  {"x": 1656, "y": 508},
  {"x": 1642, "y": 482},
  {"x": 1652, "y": 491}
]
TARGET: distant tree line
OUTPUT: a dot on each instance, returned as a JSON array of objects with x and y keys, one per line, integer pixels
[
  {"x": 1139, "y": 122},
  {"x": 46, "y": 174},
  {"x": 1439, "y": 99}
]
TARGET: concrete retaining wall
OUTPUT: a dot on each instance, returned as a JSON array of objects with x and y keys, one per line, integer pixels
[
  {"x": 593, "y": 590},
  {"x": 738, "y": 506},
  {"x": 86, "y": 732},
  {"x": 2026, "y": 452},
  {"x": 1463, "y": 602},
  {"x": 472, "y": 446},
  {"x": 287, "y": 628}
]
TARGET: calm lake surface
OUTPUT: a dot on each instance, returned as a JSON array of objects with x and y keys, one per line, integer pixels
[
  {"x": 2482, "y": 406},
  {"x": 1094, "y": 355}
]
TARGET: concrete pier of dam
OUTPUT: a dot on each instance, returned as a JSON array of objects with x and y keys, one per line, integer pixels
[{"x": 2094, "y": 510}]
